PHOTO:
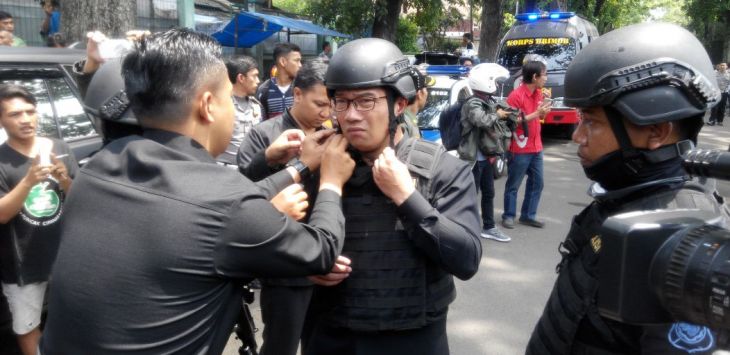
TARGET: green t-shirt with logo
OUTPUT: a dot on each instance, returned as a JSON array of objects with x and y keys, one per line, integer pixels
[{"x": 29, "y": 242}]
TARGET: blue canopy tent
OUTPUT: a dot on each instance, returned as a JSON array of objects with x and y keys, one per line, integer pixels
[{"x": 246, "y": 29}]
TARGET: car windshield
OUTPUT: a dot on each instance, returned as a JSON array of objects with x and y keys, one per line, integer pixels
[
  {"x": 438, "y": 100},
  {"x": 558, "y": 52}
]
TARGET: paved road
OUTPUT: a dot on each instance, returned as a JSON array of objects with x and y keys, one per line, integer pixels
[{"x": 496, "y": 310}]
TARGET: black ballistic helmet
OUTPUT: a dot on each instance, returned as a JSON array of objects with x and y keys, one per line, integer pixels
[
  {"x": 649, "y": 73},
  {"x": 371, "y": 62},
  {"x": 106, "y": 100}
]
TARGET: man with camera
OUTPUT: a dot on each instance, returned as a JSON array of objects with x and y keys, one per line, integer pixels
[
  {"x": 159, "y": 238},
  {"x": 642, "y": 92}
]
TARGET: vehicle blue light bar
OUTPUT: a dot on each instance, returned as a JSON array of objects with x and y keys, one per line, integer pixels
[
  {"x": 532, "y": 16},
  {"x": 447, "y": 70}
]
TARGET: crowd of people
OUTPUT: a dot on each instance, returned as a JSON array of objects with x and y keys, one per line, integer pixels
[
  {"x": 49, "y": 28},
  {"x": 316, "y": 183}
]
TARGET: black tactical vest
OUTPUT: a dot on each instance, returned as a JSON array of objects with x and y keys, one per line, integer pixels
[
  {"x": 393, "y": 285},
  {"x": 572, "y": 301}
]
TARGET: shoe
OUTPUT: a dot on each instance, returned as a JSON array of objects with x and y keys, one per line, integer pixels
[
  {"x": 508, "y": 223},
  {"x": 533, "y": 223},
  {"x": 719, "y": 123},
  {"x": 495, "y": 234},
  {"x": 711, "y": 123}
]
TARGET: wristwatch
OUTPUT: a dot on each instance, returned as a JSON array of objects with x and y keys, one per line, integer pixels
[{"x": 300, "y": 167}]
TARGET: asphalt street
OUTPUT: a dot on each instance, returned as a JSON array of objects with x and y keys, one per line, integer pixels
[{"x": 496, "y": 310}]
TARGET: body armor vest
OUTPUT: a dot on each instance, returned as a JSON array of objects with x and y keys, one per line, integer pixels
[
  {"x": 572, "y": 301},
  {"x": 393, "y": 285}
]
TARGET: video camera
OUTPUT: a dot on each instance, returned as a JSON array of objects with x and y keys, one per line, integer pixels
[{"x": 669, "y": 265}]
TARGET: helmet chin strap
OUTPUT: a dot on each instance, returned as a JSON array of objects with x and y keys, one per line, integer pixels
[
  {"x": 635, "y": 159},
  {"x": 392, "y": 119}
]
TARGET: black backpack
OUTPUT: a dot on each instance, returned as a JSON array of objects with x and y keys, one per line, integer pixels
[{"x": 450, "y": 125}]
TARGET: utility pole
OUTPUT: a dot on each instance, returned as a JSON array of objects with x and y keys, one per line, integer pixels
[{"x": 186, "y": 13}]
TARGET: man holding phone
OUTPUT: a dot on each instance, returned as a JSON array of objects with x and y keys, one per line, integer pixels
[
  {"x": 526, "y": 147},
  {"x": 35, "y": 175}
]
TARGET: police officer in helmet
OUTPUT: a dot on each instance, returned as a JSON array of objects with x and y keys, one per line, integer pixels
[
  {"x": 411, "y": 214},
  {"x": 642, "y": 92}
]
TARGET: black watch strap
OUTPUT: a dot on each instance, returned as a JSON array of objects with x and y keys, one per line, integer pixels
[{"x": 301, "y": 168}]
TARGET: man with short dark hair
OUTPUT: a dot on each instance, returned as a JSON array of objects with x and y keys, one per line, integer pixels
[
  {"x": 526, "y": 147},
  {"x": 8, "y": 24},
  {"x": 284, "y": 302},
  {"x": 276, "y": 94},
  {"x": 326, "y": 53},
  {"x": 52, "y": 22},
  {"x": 158, "y": 238},
  {"x": 244, "y": 75},
  {"x": 35, "y": 176}
]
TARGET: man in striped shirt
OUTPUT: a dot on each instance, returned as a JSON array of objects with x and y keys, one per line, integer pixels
[{"x": 276, "y": 94}]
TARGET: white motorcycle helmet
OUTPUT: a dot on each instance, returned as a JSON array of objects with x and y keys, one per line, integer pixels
[{"x": 487, "y": 77}]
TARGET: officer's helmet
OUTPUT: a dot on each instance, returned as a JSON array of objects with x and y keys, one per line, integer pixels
[
  {"x": 368, "y": 63},
  {"x": 650, "y": 73},
  {"x": 106, "y": 100},
  {"x": 487, "y": 77}
]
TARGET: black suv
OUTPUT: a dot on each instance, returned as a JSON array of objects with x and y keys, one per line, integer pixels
[{"x": 47, "y": 73}]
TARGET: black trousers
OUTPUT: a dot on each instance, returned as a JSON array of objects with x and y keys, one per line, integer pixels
[
  {"x": 327, "y": 340},
  {"x": 718, "y": 112},
  {"x": 484, "y": 179},
  {"x": 283, "y": 310}
]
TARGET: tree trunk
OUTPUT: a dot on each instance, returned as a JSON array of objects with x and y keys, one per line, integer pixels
[
  {"x": 491, "y": 26},
  {"x": 387, "y": 13},
  {"x": 530, "y": 6},
  {"x": 597, "y": 9},
  {"x": 112, "y": 17}
]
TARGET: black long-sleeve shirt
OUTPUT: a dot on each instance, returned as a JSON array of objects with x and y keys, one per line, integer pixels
[{"x": 156, "y": 241}]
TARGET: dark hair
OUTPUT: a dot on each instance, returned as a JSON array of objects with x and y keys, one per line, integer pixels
[
  {"x": 166, "y": 69},
  {"x": 55, "y": 3},
  {"x": 311, "y": 74},
  {"x": 5, "y": 15},
  {"x": 530, "y": 68},
  {"x": 283, "y": 49},
  {"x": 325, "y": 44},
  {"x": 240, "y": 65},
  {"x": 467, "y": 36},
  {"x": 12, "y": 91},
  {"x": 56, "y": 39},
  {"x": 463, "y": 60}
]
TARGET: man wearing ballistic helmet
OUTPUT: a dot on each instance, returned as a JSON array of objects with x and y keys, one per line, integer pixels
[
  {"x": 158, "y": 237},
  {"x": 642, "y": 92},
  {"x": 411, "y": 214}
]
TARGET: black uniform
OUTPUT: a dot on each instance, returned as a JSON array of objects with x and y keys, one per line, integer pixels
[
  {"x": 156, "y": 241},
  {"x": 571, "y": 323},
  {"x": 284, "y": 302},
  {"x": 396, "y": 299}
]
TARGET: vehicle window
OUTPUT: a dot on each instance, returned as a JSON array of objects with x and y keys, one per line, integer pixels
[
  {"x": 73, "y": 121},
  {"x": 46, "y": 122},
  {"x": 437, "y": 101},
  {"x": 559, "y": 52}
]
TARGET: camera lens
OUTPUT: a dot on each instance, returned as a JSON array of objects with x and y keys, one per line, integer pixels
[{"x": 691, "y": 275}]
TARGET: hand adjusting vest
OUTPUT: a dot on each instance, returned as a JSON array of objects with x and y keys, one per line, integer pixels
[
  {"x": 572, "y": 302},
  {"x": 393, "y": 285}
]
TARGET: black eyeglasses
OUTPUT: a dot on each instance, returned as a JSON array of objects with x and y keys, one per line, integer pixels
[{"x": 361, "y": 104}]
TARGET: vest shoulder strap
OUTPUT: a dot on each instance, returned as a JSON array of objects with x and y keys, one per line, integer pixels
[{"x": 422, "y": 161}]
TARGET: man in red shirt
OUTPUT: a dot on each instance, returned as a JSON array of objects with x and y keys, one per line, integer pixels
[{"x": 526, "y": 147}]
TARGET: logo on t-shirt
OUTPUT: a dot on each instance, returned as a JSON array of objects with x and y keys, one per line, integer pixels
[{"x": 43, "y": 204}]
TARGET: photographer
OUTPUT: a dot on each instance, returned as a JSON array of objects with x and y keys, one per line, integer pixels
[
  {"x": 642, "y": 92},
  {"x": 158, "y": 238}
]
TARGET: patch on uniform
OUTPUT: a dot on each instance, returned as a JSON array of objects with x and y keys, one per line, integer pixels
[
  {"x": 690, "y": 338},
  {"x": 596, "y": 243}
]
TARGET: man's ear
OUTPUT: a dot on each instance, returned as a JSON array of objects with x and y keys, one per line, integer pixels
[
  {"x": 660, "y": 134},
  {"x": 400, "y": 105},
  {"x": 298, "y": 94},
  {"x": 240, "y": 78},
  {"x": 205, "y": 108}
]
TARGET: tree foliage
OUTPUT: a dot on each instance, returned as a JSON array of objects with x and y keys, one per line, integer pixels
[{"x": 407, "y": 36}]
